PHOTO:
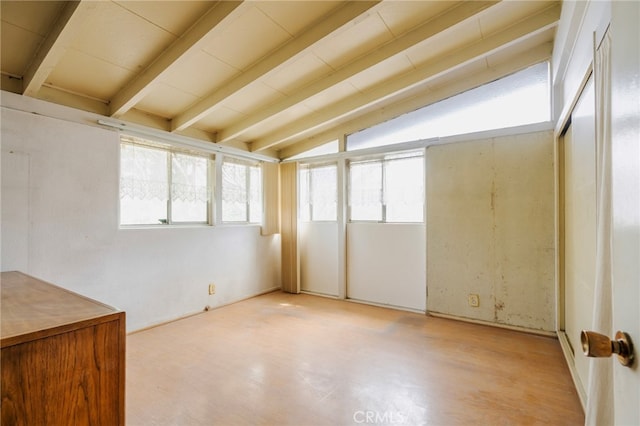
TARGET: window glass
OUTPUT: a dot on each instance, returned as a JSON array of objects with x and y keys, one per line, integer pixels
[
  {"x": 318, "y": 192},
  {"x": 304, "y": 196},
  {"x": 365, "y": 190},
  {"x": 234, "y": 192},
  {"x": 404, "y": 189},
  {"x": 159, "y": 186},
  {"x": 390, "y": 189},
  {"x": 324, "y": 193},
  {"x": 518, "y": 99},
  {"x": 189, "y": 191},
  {"x": 241, "y": 192}
]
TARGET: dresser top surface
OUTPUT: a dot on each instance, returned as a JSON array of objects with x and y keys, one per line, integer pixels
[{"x": 32, "y": 307}]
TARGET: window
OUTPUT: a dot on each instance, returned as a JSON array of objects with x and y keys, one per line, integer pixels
[
  {"x": 517, "y": 99},
  {"x": 241, "y": 192},
  {"x": 390, "y": 189},
  {"x": 319, "y": 192},
  {"x": 162, "y": 186}
]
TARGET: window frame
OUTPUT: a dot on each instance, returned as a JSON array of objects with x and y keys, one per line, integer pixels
[
  {"x": 248, "y": 164},
  {"x": 383, "y": 160},
  {"x": 169, "y": 152},
  {"x": 309, "y": 167}
]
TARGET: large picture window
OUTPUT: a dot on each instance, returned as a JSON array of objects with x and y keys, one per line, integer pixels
[
  {"x": 241, "y": 191},
  {"x": 389, "y": 189},
  {"x": 318, "y": 192},
  {"x": 160, "y": 186}
]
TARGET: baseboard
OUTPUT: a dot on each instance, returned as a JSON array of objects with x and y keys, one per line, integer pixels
[
  {"x": 569, "y": 358},
  {"x": 495, "y": 324},
  {"x": 382, "y": 305},
  {"x": 207, "y": 308},
  {"x": 313, "y": 293}
]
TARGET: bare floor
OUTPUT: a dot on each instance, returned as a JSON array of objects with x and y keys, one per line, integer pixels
[{"x": 283, "y": 359}]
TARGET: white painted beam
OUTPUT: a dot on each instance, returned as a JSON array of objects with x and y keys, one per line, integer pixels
[
  {"x": 371, "y": 118},
  {"x": 192, "y": 40},
  {"x": 288, "y": 52},
  {"x": 428, "y": 29},
  {"x": 71, "y": 19},
  {"x": 410, "y": 81}
]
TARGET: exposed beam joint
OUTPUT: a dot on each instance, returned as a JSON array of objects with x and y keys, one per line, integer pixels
[
  {"x": 189, "y": 42},
  {"x": 371, "y": 118},
  {"x": 411, "y": 81},
  {"x": 288, "y": 52},
  {"x": 428, "y": 29},
  {"x": 71, "y": 19}
]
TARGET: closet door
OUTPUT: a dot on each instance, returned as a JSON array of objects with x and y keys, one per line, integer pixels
[{"x": 579, "y": 206}]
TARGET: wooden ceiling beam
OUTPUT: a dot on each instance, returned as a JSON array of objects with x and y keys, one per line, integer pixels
[
  {"x": 426, "y": 97},
  {"x": 290, "y": 50},
  {"x": 213, "y": 20},
  {"x": 428, "y": 29},
  {"x": 431, "y": 69},
  {"x": 71, "y": 19}
]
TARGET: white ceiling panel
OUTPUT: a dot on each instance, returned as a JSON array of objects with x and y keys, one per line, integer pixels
[
  {"x": 401, "y": 16},
  {"x": 172, "y": 16},
  {"x": 295, "y": 16},
  {"x": 247, "y": 39},
  {"x": 16, "y": 61},
  {"x": 219, "y": 119},
  {"x": 122, "y": 38},
  {"x": 255, "y": 95},
  {"x": 525, "y": 46},
  {"x": 199, "y": 74},
  {"x": 332, "y": 95},
  {"x": 446, "y": 42},
  {"x": 34, "y": 16},
  {"x": 286, "y": 116},
  {"x": 509, "y": 13},
  {"x": 357, "y": 40},
  {"x": 394, "y": 66},
  {"x": 166, "y": 101},
  {"x": 299, "y": 73},
  {"x": 80, "y": 73}
]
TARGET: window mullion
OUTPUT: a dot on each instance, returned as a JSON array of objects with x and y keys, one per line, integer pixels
[
  {"x": 248, "y": 192},
  {"x": 169, "y": 186},
  {"x": 310, "y": 194},
  {"x": 383, "y": 194}
]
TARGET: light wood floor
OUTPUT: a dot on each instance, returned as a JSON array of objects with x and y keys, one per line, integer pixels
[{"x": 283, "y": 359}]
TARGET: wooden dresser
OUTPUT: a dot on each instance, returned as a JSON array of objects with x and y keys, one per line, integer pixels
[{"x": 62, "y": 356}]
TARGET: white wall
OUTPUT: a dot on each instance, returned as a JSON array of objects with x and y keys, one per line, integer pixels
[
  {"x": 386, "y": 264},
  {"x": 60, "y": 223},
  {"x": 490, "y": 230},
  {"x": 319, "y": 257}
]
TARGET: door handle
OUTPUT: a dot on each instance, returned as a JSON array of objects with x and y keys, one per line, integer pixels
[{"x": 600, "y": 346}]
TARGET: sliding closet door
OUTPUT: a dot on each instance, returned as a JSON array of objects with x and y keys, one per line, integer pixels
[{"x": 579, "y": 202}]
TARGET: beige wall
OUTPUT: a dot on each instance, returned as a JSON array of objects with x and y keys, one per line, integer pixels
[{"x": 490, "y": 230}]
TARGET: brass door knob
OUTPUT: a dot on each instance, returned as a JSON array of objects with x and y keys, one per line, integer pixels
[{"x": 600, "y": 346}]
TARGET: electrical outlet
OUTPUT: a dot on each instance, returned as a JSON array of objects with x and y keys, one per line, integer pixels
[
  {"x": 474, "y": 300},
  {"x": 212, "y": 289}
]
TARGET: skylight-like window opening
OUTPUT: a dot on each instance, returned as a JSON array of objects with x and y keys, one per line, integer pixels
[{"x": 517, "y": 99}]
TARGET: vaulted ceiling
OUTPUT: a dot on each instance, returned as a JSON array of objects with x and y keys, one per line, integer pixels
[{"x": 274, "y": 77}]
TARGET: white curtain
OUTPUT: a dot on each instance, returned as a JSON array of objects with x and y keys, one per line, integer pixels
[{"x": 600, "y": 390}]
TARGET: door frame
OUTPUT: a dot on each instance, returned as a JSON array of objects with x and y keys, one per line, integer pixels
[{"x": 562, "y": 125}]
